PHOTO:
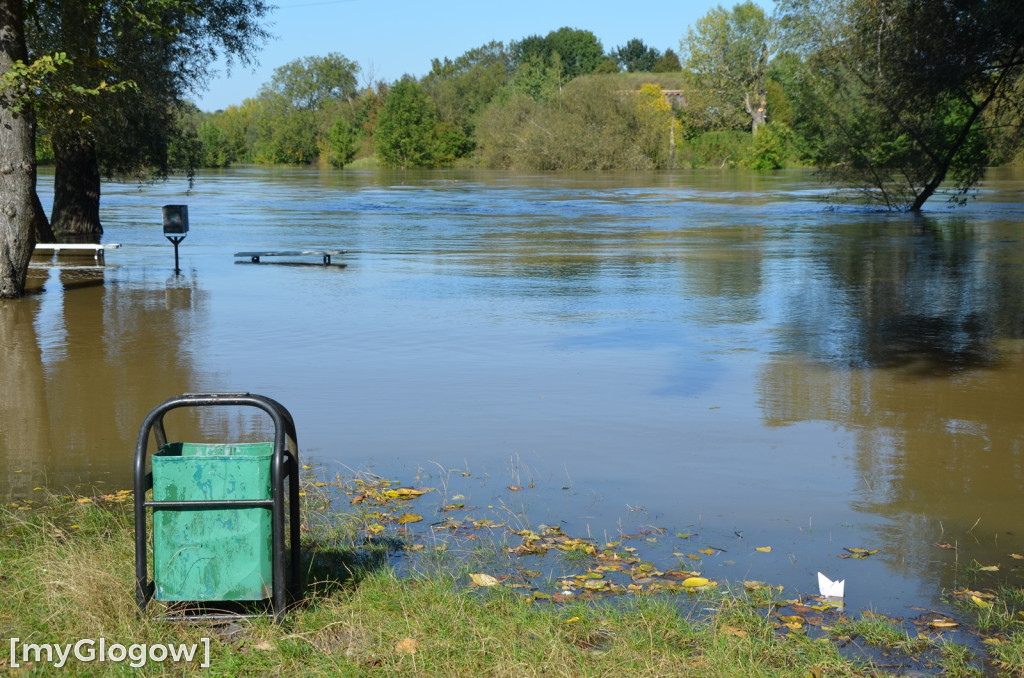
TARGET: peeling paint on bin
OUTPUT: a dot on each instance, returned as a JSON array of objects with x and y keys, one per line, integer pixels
[{"x": 212, "y": 554}]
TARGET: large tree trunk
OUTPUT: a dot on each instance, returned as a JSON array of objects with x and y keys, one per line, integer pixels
[
  {"x": 17, "y": 161},
  {"x": 76, "y": 188}
]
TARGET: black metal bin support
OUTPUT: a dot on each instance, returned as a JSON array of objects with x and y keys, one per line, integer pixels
[{"x": 285, "y": 584}]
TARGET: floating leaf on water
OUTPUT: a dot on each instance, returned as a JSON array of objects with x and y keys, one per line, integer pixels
[
  {"x": 942, "y": 624},
  {"x": 763, "y": 549},
  {"x": 979, "y": 602},
  {"x": 515, "y": 488},
  {"x": 406, "y": 518},
  {"x": 1016, "y": 556},
  {"x": 695, "y": 582},
  {"x": 988, "y": 568},
  {"x": 375, "y": 528},
  {"x": 685, "y": 535},
  {"x": 945, "y": 546},
  {"x": 482, "y": 579},
  {"x": 707, "y": 552}
]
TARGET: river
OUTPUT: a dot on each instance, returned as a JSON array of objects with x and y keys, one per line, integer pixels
[{"x": 718, "y": 353}]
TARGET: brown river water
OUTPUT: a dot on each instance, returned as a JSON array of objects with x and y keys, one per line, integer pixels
[{"x": 713, "y": 353}]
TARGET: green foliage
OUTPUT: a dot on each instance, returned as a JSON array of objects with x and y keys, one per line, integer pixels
[
  {"x": 729, "y": 52},
  {"x": 898, "y": 92},
  {"x": 409, "y": 133},
  {"x": 124, "y": 70},
  {"x": 309, "y": 83},
  {"x": 590, "y": 125},
  {"x": 636, "y": 56},
  {"x": 462, "y": 88},
  {"x": 725, "y": 149},
  {"x": 579, "y": 52},
  {"x": 771, "y": 147},
  {"x": 668, "y": 63},
  {"x": 340, "y": 144}
]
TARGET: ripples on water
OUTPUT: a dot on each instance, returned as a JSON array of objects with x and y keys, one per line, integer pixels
[{"x": 706, "y": 352}]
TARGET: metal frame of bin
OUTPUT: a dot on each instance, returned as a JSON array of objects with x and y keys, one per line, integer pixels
[{"x": 284, "y": 464}]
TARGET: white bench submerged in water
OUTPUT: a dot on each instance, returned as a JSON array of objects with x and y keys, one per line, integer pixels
[
  {"x": 326, "y": 255},
  {"x": 57, "y": 248}
]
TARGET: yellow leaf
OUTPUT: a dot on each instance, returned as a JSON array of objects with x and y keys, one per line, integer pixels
[
  {"x": 409, "y": 518},
  {"x": 572, "y": 620},
  {"x": 407, "y": 645},
  {"x": 989, "y": 568},
  {"x": 695, "y": 582},
  {"x": 979, "y": 602},
  {"x": 375, "y": 528},
  {"x": 1016, "y": 556},
  {"x": 942, "y": 624},
  {"x": 763, "y": 549},
  {"x": 84, "y": 500},
  {"x": 707, "y": 552},
  {"x": 483, "y": 579}
]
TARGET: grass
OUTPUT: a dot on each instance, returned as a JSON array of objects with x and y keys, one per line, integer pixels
[{"x": 66, "y": 573}]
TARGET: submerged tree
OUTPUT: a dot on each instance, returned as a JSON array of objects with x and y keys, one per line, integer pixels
[
  {"x": 140, "y": 60},
  {"x": 17, "y": 153},
  {"x": 903, "y": 87}
]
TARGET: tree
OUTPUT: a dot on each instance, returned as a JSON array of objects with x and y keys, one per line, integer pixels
[
  {"x": 668, "y": 63},
  {"x": 636, "y": 57},
  {"x": 17, "y": 153},
  {"x": 462, "y": 88},
  {"x": 409, "y": 133},
  {"x": 729, "y": 51},
  {"x": 141, "y": 60},
  {"x": 308, "y": 83},
  {"x": 904, "y": 86},
  {"x": 579, "y": 52}
]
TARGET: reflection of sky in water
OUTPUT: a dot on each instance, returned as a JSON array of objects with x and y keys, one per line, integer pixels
[{"x": 51, "y": 332}]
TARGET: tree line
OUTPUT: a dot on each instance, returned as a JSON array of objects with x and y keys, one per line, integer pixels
[{"x": 893, "y": 97}]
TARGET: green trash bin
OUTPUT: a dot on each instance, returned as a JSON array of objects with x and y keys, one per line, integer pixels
[{"x": 212, "y": 554}]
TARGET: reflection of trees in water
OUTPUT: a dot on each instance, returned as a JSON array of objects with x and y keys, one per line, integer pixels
[
  {"x": 932, "y": 297},
  {"x": 912, "y": 340},
  {"x": 125, "y": 347},
  {"x": 23, "y": 406}
]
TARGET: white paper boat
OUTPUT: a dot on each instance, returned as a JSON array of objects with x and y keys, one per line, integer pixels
[{"x": 829, "y": 588}]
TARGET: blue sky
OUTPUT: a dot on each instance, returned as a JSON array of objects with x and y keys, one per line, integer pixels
[{"x": 391, "y": 38}]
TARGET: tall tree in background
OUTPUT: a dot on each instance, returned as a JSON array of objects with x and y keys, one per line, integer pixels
[
  {"x": 17, "y": 154},
  {"x": 295, "y": 111},
  {"x": 578, "y": 52},
  {"x": 409, "y": 133},
  {"x": 636, "y": 57},
  {"x": 729, "y": 52},
  {"x": 463, "y": 87},
  {"x": 904, "y": 87},
  {"x": 141, "y": 60}
]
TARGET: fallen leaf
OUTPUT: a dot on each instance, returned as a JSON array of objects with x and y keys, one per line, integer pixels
[
  {"x": 763, "y": 549},
  {"x": 945, "y": 546},
  {"x": 407, "y": 645},
  {"x": 733, "y": 631},
  {"x": 515, "y": 488},
  {"x": 409, "y": 518},
  {"x": 989, "y": 568},
  {"x": 979, "y": 602},
  {"x": 572, "y": 620},
  {"x": 1016, "y": 556},
  {"x": 483, "y": 579},
  {"x": 263, "y": 645},
  {"x": 707, "y": 552},
  {"x": 695, "y": 582},
  {"x": 942, "y": 624}
]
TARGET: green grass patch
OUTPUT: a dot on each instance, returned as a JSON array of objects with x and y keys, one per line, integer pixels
[{"x": 381, "y": 601}]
